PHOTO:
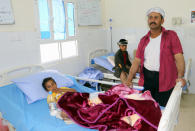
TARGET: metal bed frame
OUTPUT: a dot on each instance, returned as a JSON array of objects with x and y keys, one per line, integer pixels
[{"x": 107, "y": 74}]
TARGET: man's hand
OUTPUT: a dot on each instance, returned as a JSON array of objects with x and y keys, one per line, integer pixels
[
  {"x": 183, "y": 81},
  {"x": 129, "y": 84},
  {"x": 120, "y": 66},
  {"x": 132, "y": 71}
]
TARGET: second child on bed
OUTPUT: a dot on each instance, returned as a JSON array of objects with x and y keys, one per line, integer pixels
[{"x": 122, "y": 62}]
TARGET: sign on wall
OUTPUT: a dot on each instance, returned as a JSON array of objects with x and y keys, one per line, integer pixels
[
  {"x": 6, "y": 12},
  {"x": 89, "y": 12},
  {"x": 193, "y": 16}
]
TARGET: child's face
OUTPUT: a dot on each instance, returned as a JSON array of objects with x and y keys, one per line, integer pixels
[
  {"x": 123, "y": 47},
  {"x": 50, "y": 85}
]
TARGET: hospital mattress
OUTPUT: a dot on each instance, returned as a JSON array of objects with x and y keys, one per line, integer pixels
[{"x": 103, "y": 62}]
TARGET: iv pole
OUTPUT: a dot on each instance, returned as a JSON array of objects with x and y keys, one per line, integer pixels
[{"x": 110, "y": 20}]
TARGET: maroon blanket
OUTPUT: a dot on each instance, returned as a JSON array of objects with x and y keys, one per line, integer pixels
[{"x": 107, "y": 116}]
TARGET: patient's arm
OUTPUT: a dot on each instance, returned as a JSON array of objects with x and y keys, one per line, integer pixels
[
  {"x": 59, "y": 90},
  {"x": 64, "y": 115},
  {"x": 67, "y": 90}
]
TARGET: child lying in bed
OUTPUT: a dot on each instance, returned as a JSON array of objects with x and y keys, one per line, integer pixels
[{"x": 49, "y": 84}]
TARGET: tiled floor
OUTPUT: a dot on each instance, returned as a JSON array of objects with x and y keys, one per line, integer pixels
[{"x": 187, "y": 114}]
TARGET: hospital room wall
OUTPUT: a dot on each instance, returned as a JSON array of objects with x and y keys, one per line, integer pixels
[
  {"x": 20, "y": 42},
  {"x": 130, "y": 22}
]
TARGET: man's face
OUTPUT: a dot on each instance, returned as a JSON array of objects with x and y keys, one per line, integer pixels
[
  {"x": 154, "y": 20},
  {"x": 123, "y": 47}
]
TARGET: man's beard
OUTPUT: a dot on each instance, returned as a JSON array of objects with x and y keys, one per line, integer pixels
[{"x": 156, "y": 27}]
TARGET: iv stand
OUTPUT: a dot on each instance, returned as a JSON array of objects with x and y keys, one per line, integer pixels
[{"x": 110, "y": 20}]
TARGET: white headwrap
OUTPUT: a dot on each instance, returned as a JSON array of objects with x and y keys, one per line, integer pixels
[{"x": 157, "y": 10}]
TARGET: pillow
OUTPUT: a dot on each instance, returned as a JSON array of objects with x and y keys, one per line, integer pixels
[
  {"x": 106, "y": 55},
  {"x": 31, "y": 85},
  {"x": 111, "y": 60}
]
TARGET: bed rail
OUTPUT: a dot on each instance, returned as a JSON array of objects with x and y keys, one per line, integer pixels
[
  {"x": 105, "y": 82},
  {"x": 187, "y": 75},
  {"x": 96, "y": 53},
  {"x": 171, "y": 112},
  {"x": 17, "y": 72},
  {"x": 112, "y": 77}
]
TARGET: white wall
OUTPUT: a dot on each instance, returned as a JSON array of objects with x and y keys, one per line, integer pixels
[
  {"x": 22, "y": 48},
  {"x": 18, "y": 48},
  {"x": 24, "y": 16},
  {"x": 20, "y": 42},
  {"x": 132, "y": 13},
  {"x": 130, "y": 22}
]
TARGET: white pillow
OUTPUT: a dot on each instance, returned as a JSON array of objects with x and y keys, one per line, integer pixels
[{"x": 111, "y": 60}]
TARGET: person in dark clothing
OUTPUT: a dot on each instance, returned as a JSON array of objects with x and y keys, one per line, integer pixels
[{"x": 122, "y": 62}]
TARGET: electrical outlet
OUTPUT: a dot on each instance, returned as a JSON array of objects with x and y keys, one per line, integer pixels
[{"x": 176, "y": 20}]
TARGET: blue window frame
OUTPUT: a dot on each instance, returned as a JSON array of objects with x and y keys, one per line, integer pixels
[
  {"x": 61, "y": 12},
  {"x": 71, "y": 21},
  {"x": 59, "y": 23},
  {"x": 44, "y": 19}
]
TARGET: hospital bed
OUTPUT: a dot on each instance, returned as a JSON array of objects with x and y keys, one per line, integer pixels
[
  {"x": 35, "y": 116},
  {"x": 99, "y": 59},
  {"x": 30, "y": 117}
]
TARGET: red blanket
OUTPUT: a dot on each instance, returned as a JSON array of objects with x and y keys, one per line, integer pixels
[{"x": 107, "y": 116}]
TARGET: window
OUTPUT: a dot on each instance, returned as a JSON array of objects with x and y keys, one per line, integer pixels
[
  {"x": 71, "y": 27},
  {"x": 61, "y": 11},
  {"x": 69, "y": 49},
  {"x": 44, "y": 19},
  {"x": 49, "y": 52},
  {"x": 59, "y": 23},
  {"x": 57, "y": 29}
]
